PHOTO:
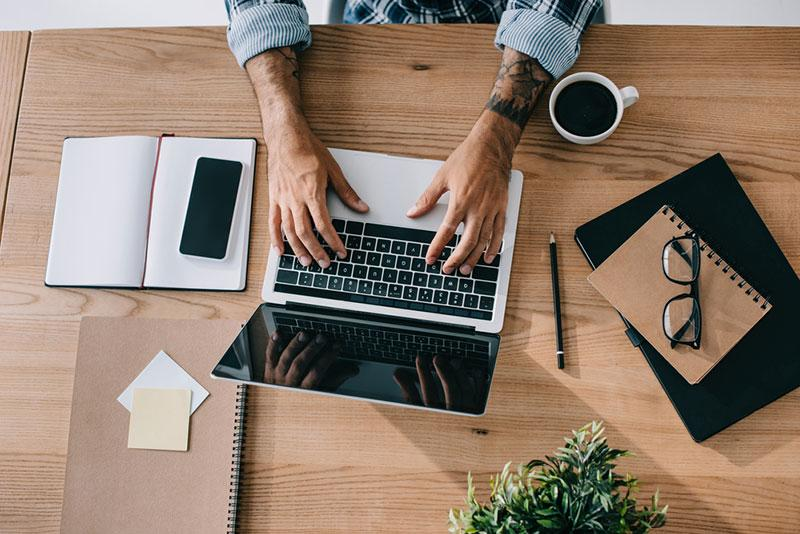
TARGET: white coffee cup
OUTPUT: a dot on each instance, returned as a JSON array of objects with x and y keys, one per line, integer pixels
[{"x": 627, "y": 96}]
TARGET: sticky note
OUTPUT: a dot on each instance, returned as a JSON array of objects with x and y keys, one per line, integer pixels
[{"x": 160, "y": 419}]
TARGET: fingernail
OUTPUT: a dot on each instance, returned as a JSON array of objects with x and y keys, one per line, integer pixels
[
  {"x": 489, "y": 258},
  {"x": 303, "y": 336},
  {"x": 324, "y": 263},
  {"x": 320, "y": 339},
  {"x": 411, "y": 211},
  {"x": 274, "y": 336},
  {"x": 465, "y": 269},
  {"x": 305, "y": 261},
  {"x": 276, "y": 250},
  {"x": 341, "y": 255},
  {"x": 362, "y": 205},
  {"x": 447, "y": 270}
]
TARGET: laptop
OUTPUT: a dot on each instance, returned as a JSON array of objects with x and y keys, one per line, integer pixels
[{"x": 402, "y": 332}]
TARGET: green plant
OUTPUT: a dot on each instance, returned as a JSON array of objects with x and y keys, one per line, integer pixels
[{"x": 576, "y": 490}]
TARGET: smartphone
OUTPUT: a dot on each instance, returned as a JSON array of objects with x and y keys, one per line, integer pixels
[{"x": 209, "y": 215}]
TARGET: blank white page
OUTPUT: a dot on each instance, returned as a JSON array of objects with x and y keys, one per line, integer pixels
[
  {"x": 100, "y": 221},
  {"x": 166, "y": 266}
]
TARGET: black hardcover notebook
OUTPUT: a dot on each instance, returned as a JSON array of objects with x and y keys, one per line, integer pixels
[{"x": 765, "y": 364}]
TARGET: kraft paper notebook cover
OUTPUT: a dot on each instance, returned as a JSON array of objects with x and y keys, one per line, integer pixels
[
  {"x": 632, "y": 280},
  {"x": 111, "y": 488},
  {"x": 765, "y": 364}
]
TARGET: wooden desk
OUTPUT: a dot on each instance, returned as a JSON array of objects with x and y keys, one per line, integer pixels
[
  {"x": 13, "y": 52},
  {"x": 328, "y": 465}
]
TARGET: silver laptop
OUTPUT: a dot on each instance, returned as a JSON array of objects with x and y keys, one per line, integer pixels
[{"x": 402, "y": 331}]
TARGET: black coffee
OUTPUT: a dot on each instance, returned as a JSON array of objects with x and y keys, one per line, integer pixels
[{"x": 586, "y": 109}]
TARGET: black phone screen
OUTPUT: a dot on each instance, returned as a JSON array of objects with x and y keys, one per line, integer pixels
[{"x": 207, "y": 226}]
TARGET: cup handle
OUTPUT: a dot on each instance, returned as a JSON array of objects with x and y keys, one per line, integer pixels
[{"x": 629, "y": 96}]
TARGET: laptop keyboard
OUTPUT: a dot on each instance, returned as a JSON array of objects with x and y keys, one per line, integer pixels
[
  {"x": 386, "y": 345},
  {"x": 386, "y": 266}
]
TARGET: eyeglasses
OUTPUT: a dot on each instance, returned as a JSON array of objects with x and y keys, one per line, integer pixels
[{"x": 681, "y": 265}]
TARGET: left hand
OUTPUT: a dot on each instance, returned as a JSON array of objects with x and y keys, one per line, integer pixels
[{"x": 476, "y": 174}]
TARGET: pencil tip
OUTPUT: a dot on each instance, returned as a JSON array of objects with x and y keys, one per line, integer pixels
[{"x": 552, "y": 237}]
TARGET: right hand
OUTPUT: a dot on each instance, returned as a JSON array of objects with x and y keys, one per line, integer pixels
[
  {"x": 307, "y": 360},
  {"x": 300, "y": 169}
]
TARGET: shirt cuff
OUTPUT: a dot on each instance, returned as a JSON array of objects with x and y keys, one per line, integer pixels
[
  {"x": 262, "y": 27},
  {"x": 554, "y": 44}
]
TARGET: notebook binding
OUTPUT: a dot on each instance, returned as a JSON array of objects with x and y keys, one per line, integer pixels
[
  {"x": 726, "y": 267},
  {"x": 236, "y": 457}
]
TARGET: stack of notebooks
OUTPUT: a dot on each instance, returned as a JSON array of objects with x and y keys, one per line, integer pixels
[{"x": 749, "y": 295}]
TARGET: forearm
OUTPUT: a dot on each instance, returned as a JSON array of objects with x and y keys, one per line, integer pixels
[{"x": 275, "y": 75}]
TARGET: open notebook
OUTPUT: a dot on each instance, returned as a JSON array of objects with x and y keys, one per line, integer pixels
[
  {"x": 632, "y": 280},
  {"x": 121, "y": 207}
]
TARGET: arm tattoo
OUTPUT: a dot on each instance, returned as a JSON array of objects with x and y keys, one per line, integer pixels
[
  {"x": 519, "y": 82},
  {"x": 292, "y": 59}
]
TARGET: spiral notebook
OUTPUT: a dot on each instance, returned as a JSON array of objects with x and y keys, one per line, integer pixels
[
  {"x": 632, "y": 280},
  {"x": 111, "y": 488}
]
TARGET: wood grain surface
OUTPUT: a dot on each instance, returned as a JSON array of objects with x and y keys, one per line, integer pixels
[
  {"x": 330, "y": 465},
  {"x": 13, "y": 52}
]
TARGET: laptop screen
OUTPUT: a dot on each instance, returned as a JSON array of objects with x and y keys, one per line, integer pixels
[{"x": 368, "y": 357}]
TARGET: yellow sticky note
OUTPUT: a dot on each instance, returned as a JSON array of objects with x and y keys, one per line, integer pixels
[{"x": 160, "y": 419}]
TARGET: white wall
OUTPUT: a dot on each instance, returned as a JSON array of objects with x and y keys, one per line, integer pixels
[{"x": 710, "y": 12}]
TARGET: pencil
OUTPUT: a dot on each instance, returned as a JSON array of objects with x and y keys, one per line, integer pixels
[{"x": 556, "y": 301}]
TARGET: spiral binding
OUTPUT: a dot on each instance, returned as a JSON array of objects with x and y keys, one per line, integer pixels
[
  {"x": 726, "y": 267},
  {"x": 236, "y": 457}
]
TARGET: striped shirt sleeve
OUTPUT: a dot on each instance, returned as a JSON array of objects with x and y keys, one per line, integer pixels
[
  {"x": 258, "y": 25},
  {"x": 547, "y": 30}
]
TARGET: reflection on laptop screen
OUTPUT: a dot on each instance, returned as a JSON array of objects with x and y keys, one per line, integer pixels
[{"x": 366, "y": 357}]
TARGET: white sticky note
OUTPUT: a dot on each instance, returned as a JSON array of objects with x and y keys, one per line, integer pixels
[
  {"x": 160, "y": 419},
  {"x": 162, "y": 372}
]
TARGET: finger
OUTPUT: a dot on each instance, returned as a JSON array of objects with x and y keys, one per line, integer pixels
[
  {"x": 320, "y": 368},
  {"x": 322, "y": 220},
  {"x": 406, "y": 379},
  {"x": 297, "y": 246},
  {"x": 446, "y": 230},
  {"x": 297, "y": 371},
  {"x": 452, "y": 393},
  {"x": 302, "y": 225},
  {"x": 483, "y": 242},
  {"x": 344, "y": 189},
  {"x": 426, "y": 383},
  {"x": 497, "y": 237},
  {"x": 275, "y": 228},
  {"x": 271, "y": 355},
  {"x": 427, "y": 200},
  {"x": 288, "y": 355},
  {"x": 467, "y": 243}
]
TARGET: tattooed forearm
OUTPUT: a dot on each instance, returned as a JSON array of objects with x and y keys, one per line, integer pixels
[
  {"x": 290, "y": 56},
  {"x": 518, "y": 85}
]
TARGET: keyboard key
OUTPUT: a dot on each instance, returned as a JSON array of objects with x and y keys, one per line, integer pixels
[
  {"x": 471, "y": 301},
  {"x": 360, "y": 271},
  {"x": 330, "y": 269},
  {"x": 287, "y": 249},
  {"x": 365, "y": 287},
  {"x": 375, "y": 273},
  {"x": 405, "y": 277},
  {"x": 338, "y": 225},
  {"x": 398, "y": 247},
  {"x": 350, "y": 285},
  {"x": 286, "y": 262},
  {"x": 485, "y": 288},
  {"x": 403, "y": 262},
  {"x": 388, "y": 260},
  {"x": 306, "y": 279},
  {"x": 299, "y": 266},
  {"x": 398, "y": 233},
  {"x": 446, "y": 253},
  {"x": 320, "y": 280},
  {"x": 410, "y": 293},
  {"x": 368, "y": 243},
  {"x": 358, "y": 256},
  {"x": 465, "y": 285},
  {"x": 451, "y": 283},
  {"x": 426, "y": 295},
  {"x": 287, "y": 277},
  {"x": 487, "y": 303},
  {"x": 456, "y": 299},
  {"x": 353, "y": 241},
  {"x": 440, "y": 297},
  {"x": 335, "y": 282},
  {"x": 380, "y": 289},
  {"x": 413, "y": 249},
  {"x": 435, "y": 267},
  {"x": 495, "y": 261},
  {"x": 418, "y": 264},
  {"x": 389, "y": 275},
  {"x": 345, "y": 269},
  {"x": 395, "y": 291},
  {"x": 420, "y": 279},
  {"x": 384, "y": 245},
  {"x": 354, "y": 227},
  {"x": 435, "y": 281},
  {"x": 424, "y": 251},
  {"x": 484, "y": 273},
  {"x": 314, "y": 267}
]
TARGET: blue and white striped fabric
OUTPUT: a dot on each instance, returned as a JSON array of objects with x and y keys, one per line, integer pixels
[{"x": 547, "y": 30}]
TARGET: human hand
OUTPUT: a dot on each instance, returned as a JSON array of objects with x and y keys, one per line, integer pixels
[
  {"x": 307, "y": 361},
  {"x": 300, "y": 169},
  {"x": 476, "y": 174},
  {"x": 442, "y": 385}
]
